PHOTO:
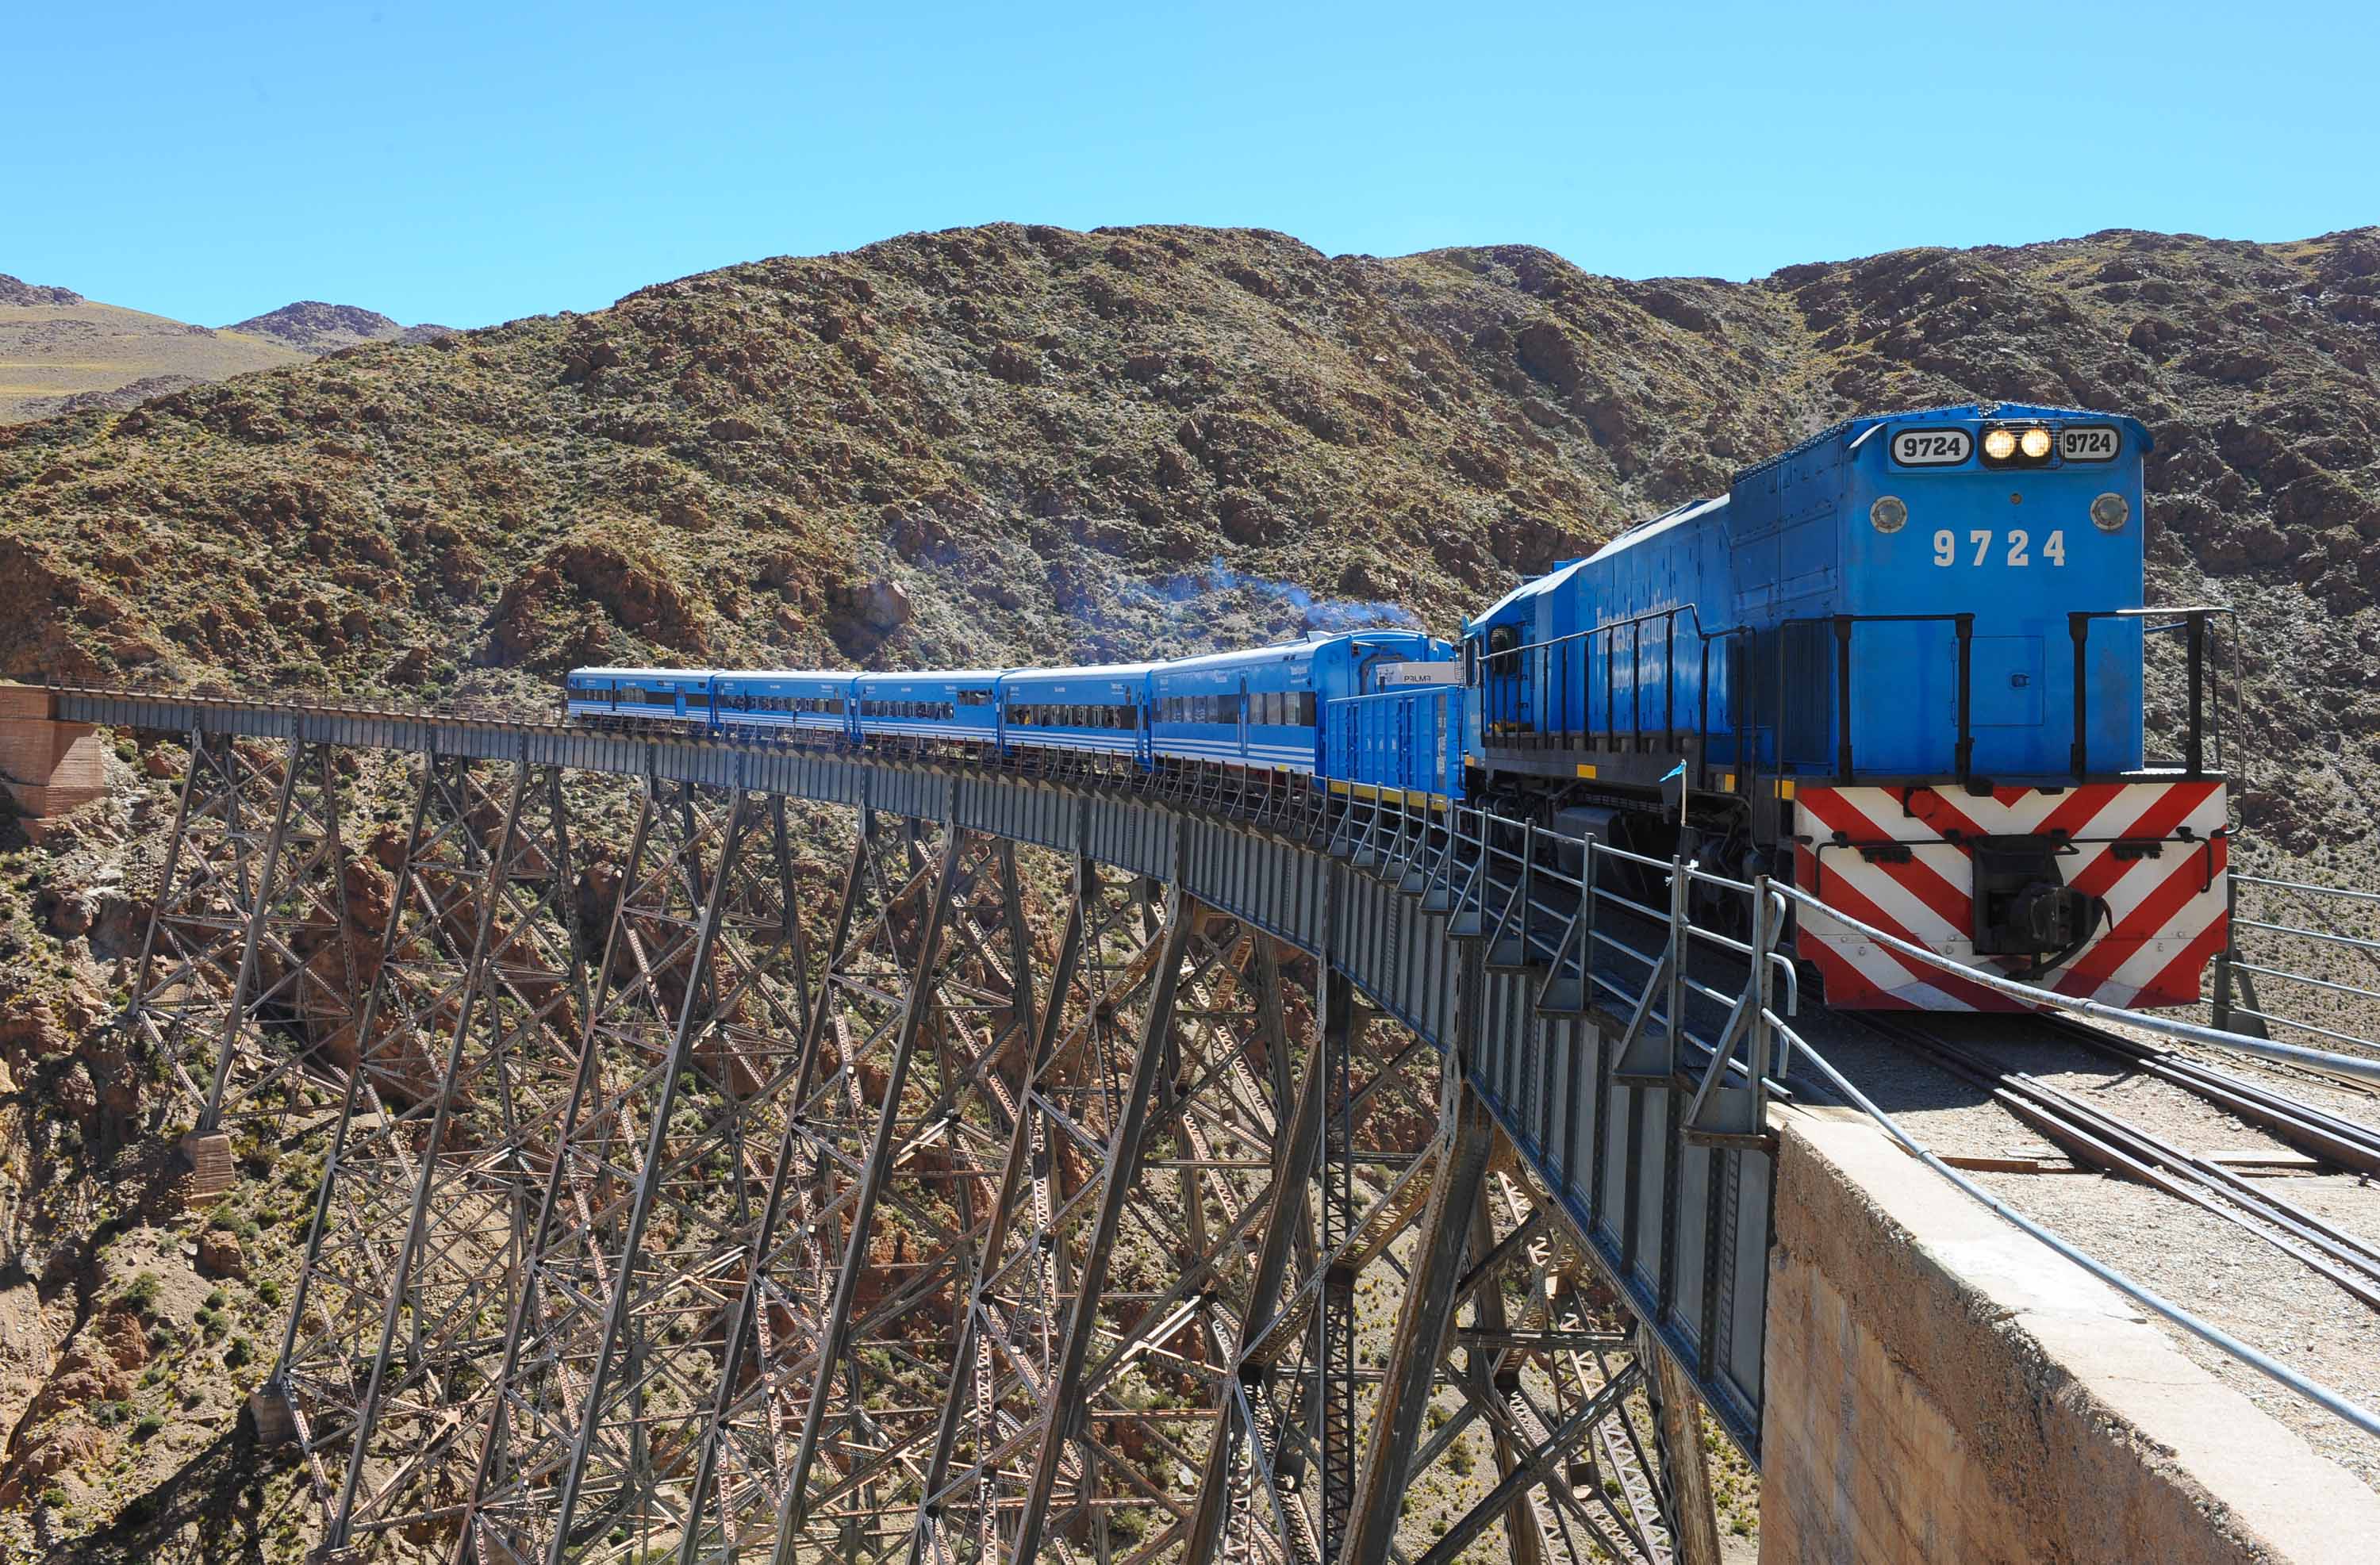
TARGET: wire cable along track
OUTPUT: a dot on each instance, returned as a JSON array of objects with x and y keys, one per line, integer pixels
[{"x": 2098, "y": 1139}]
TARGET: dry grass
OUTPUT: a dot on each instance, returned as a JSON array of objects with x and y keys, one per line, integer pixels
[{"x": 49, "y": 353}]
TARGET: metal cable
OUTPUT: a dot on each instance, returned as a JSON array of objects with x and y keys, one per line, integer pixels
[{"x": 2313, "y": 1391}]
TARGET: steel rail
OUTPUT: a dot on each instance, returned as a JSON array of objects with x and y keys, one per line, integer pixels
[
  {"x": 2093, "y": 1135},
  {"x": 2346, "y": 1143},
  {"x": 2313, "y": 1390}
]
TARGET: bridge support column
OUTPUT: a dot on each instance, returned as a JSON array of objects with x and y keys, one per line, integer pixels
[
  {"x": 469, "y": 1023},
  {"x": 655, "y": 1165},
  {"x": 1421, "y": 1323}
]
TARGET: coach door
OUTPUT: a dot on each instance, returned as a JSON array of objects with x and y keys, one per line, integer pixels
[{"x": 1243, "y": 717}]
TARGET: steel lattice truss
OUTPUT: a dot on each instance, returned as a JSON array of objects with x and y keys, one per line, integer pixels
[
  {"x": 246, "y": 977},
  {"x": 469, "y": 1040},
  {"x": 971, "y": 1203}
]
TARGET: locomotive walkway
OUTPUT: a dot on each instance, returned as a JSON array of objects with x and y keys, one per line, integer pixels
[{"x": 787, "y": 1220}]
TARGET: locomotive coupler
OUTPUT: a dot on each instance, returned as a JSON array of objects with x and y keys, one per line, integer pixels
[{"x": 2023, "y": 907}]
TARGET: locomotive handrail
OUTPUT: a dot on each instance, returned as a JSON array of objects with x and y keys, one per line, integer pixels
[
  {"x": 1508, "y": 663},
  {"x": 2192, "y": 624},
  {"x": 1963, "y": 755}
]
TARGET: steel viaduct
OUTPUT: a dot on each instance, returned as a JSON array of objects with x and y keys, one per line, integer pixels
[{"x": 1072, "y": 1167}]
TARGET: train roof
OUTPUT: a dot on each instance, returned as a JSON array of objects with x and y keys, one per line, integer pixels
[
  {"x": 1087, "y": 671},
  {"x": 643, "y": 673},
  {"x": 969, "y": 676},
  {"x": 1282, "y": 651},
  {"x": 1854, "y": 430}
]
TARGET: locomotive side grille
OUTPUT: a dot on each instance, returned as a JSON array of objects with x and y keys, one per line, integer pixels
[{"x": 1791, "y": 684}]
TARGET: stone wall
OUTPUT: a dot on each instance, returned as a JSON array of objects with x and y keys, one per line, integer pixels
[{"x": 1942, "y": 1388}]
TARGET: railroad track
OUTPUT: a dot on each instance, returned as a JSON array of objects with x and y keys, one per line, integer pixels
[
  {"x": 2344, "y": 1142},
  {"x": 2098, "y": 1139}
]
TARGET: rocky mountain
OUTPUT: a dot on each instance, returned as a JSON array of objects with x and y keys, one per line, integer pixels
[
  {"x": 1027, "y": 443},
  {"x": 315, "y": 328},
  {"x": 62, "y": 353},
  {"x": 16, "y": 293},
  {"x": 1012, "y": 444}
]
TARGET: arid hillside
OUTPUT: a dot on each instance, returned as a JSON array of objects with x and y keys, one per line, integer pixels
[
  {"x": 1009, "y": 443},
  {"x": 62, "y": 353},
  {"x": 1006, "y": 444}
]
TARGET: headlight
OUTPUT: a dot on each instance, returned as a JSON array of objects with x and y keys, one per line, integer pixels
[
  {"x": 2110, "y": 512},
  {"x": 1889, "y": 514},
  {"x": 2000, "y": 444},
  {"x": 2035, "y": 443}
]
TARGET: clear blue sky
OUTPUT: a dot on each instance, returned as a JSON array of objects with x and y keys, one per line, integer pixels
[{"x": 470, "y": 164}]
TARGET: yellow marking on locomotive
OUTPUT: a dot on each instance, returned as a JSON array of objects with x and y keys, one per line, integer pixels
[{"x": 1585, "y": 771}]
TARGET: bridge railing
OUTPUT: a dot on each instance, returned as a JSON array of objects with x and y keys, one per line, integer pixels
[
  {"x": 1642, "y": 940},
  {"x": 2302, "y": 957}
]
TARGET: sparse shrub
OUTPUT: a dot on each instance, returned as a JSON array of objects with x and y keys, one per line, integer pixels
[
  {"x": 54, "y": 1497},
  {"x": 108, "y": 1414},
  {"x": 216, "y": 1298},
  {"x": 142, "y": 1293},
  {"x": 225, "y": 1216},
  {"x": 268, "y": 1292},
  {"x": 149, "y": 1423},
  {"x": 159, "y": 1339},
  {"x": 240, "y": 1351}
]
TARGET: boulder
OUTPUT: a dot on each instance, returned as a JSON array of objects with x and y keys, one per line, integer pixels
[{"x": 220, "y": 1255}]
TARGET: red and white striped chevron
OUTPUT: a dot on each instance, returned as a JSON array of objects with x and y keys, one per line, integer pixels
[{"x": 2167, "y": 915}]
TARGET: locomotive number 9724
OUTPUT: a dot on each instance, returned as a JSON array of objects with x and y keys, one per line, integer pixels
[
  {"x": 1932, "y": 447},
  {"x": 1985, "y": 542}
]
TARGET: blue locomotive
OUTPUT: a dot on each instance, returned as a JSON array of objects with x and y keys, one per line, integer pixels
[{"x": 1901, "y": 664}]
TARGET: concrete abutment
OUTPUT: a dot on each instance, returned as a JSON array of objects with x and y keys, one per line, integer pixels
[
  {"x": 1942, "y": 1388},
  {"x": 50, "y": 767}
]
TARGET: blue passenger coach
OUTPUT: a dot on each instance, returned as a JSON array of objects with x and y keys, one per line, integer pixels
[
  {"x": 1263, "y": 708},
  {"x": 960, "y": 706},
  {"x": 1093, "y": 710},
  {"x": 778, "y": 702},
  {"x": 627, "y": 696}
]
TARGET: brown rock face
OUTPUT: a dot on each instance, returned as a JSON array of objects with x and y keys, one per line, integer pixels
[{"x": 220, "y": 1255}]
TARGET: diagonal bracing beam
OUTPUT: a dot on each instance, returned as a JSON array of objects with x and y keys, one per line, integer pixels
[{"x": 1123, "y": 1167}]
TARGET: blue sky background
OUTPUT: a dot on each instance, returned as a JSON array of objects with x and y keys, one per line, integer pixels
[{"x": 470, "y": 163}]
